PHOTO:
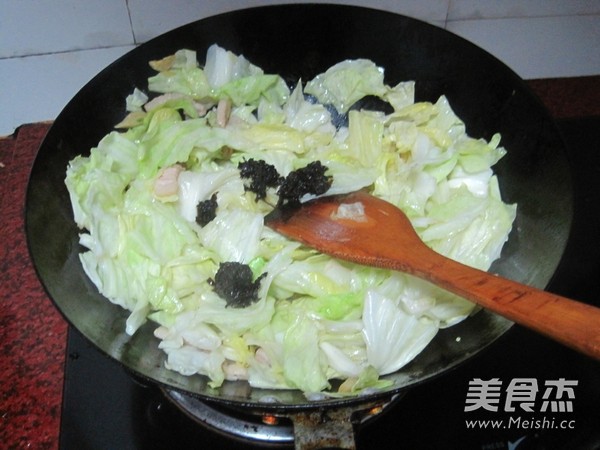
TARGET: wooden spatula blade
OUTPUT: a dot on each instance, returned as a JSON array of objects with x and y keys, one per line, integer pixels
[{"x": 373, "y": 237}]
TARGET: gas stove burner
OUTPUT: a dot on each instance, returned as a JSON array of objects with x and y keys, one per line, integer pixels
[
  {"x": 232, "y": 422},
  {"x": 260, "y": 427}
]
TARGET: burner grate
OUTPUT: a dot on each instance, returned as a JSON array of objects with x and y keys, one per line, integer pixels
[{"x": 305, "y": 428}]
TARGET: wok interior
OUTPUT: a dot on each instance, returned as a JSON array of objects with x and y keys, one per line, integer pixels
[{"x": 299, "y": 42}]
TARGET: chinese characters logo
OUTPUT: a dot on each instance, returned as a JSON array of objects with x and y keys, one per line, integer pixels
[{"x": 521, "y": 394}]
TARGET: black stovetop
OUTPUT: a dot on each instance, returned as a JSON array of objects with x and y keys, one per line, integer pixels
[{"x": 105, "y": 407}]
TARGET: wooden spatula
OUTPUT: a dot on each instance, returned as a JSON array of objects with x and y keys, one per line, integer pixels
[{"x": 384, "y": 237}]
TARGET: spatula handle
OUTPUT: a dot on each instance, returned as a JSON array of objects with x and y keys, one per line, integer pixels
[{"x": 572, "y": 323}]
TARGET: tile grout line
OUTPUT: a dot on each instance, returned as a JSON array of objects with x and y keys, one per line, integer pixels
[
  {"x": 549, "y": 16},
  {"x": 447, "y": 14},
  {"x": 63, "y": 52},
  {"x": 133, "y": 37}
]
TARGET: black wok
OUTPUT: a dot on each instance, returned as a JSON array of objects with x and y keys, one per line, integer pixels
[{"x": 300, "y": 41}]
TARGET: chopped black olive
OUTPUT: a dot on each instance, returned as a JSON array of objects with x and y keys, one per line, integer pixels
[
  {"x": 206, "y": 210},
  {"x": 233, "y": 282},
  {"x": 261, "y": 176},
  {"x": 310, "y": 179}
]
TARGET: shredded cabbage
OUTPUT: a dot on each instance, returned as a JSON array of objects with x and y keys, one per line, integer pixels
[{"x": 316, "y": 319}]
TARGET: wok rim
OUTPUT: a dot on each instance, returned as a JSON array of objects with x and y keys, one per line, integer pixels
[{"x": 48, "y": 142}]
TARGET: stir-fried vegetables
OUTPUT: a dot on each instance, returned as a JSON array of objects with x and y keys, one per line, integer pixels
[{"x": 171, "y": 209}]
